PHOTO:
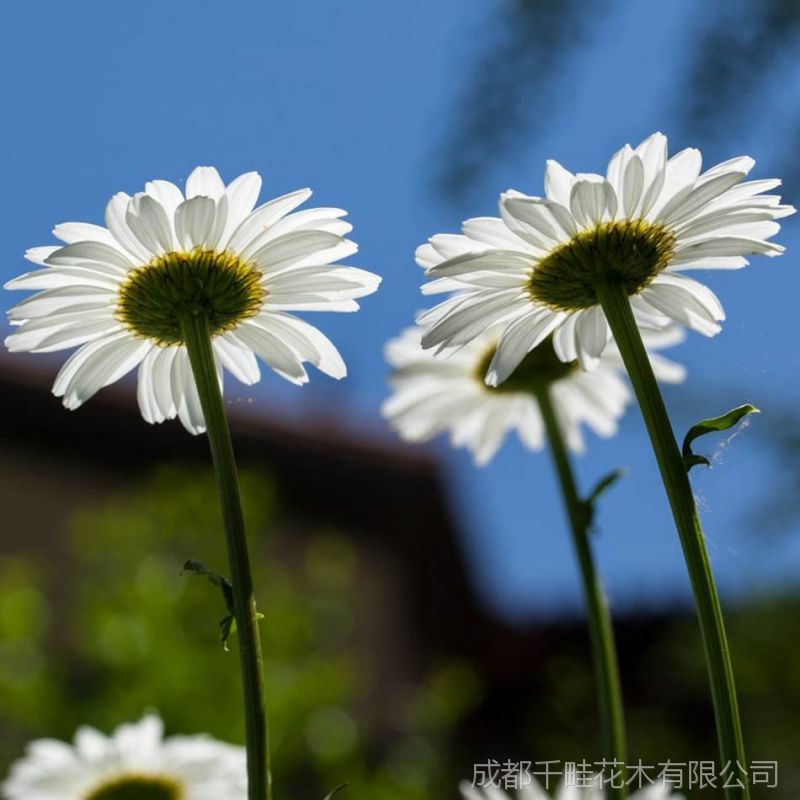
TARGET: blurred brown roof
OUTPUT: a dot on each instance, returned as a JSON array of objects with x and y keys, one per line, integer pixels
[{"x": 391, "y": 496}]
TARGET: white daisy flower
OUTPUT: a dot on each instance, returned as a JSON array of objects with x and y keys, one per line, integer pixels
[
  {"x": 535, "y": 269},
  {"x": 438, "y": 392},
  {"x": 533, "y": 791},
  {"x": 119, "y": 292},
  {"x": 135, "y": 763}
]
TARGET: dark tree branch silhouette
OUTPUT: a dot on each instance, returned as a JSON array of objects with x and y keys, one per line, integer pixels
[{"x": 734, "y": 52}]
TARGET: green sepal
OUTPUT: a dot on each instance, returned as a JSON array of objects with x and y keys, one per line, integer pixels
[
  {"x": 600, "y": 488},
  {"x": 712, "y": 425}
]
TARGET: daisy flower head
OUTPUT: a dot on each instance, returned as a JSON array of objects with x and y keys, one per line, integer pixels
[
  {"x": 121, "y": 293},
  {"x": 135, "y": 763},
  {"x": 536, "y": 269},
  {"x": 447, "y": 391},
  {"x": 531, "y": 790}
]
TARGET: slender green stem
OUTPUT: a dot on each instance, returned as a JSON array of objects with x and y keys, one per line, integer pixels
[
  {"x": 620, "y": 317},
  {"x": 198, "y": 343},
  {"x": 601, "y": 633}
]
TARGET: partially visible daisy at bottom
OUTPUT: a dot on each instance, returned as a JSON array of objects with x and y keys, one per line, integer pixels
[
  {"x": 135, "y": 762},
  {"x": 533, "y": 791},
  {"x": 434, "y": 393}
]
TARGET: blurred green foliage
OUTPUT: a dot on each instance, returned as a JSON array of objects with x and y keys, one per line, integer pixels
[
  {"x": 667, "y": 701},
  {"x": 116, "y": 630}
]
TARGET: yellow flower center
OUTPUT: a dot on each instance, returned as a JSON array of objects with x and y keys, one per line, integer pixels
[
  {"x": 155, "y": 297},
  {"x": 138, "y": 787},
  {"x": 535, "y": 372},
  {"x": 630, "y": 252}
]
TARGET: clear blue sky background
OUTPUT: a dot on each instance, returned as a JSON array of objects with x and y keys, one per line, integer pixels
[{"x": 353, "y": 98}]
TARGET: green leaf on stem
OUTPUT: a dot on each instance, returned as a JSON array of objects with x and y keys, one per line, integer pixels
[
  {"x": 227, "y": 625},
  {"x": 712, "y": 425},
  {"x": 604, "y": 484},
  {"x": 600, "y": 488},
  {"x": 336, "y": 791}
]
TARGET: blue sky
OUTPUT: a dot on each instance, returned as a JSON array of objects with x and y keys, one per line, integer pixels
[{"x": 354, "y": 99}]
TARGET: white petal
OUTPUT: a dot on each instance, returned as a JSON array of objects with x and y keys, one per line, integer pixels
[
  {"x": 145, "y": 394},
  {"x": 517, "y": 340},
  {"x": 633, "y": 184},
  {"x": 653, "y": 152},
  {"x": 666, "y": 370},
  {"x": 90, "y": 743},
  {"x": 711, "y": 262},
  {"x": 242, "y": 194},
  {"x": 71, "y": 232},
  {"x": 685, "y": 301},
  {"x": 76, "y": 361},
  {"x": 204, "y": 182},
  {"x": 533, "y": 216},
  {"x": 238, "y": 359},
  {"x": 738, "y": 164},
  {"x": 220, "y": 222},
  {"x": 69, "y": 298},
  {"x": 558, "y": 183},
  {"x": 103, "y": 366},
  {"x": 166, "y": 193},
  {"x": 148, "y": 221},
  {"x": 504, "y": 261},
  {"x": 723, "y": 220},
  {"x": 61, "y": 331},
  {"x": 681, "y": 170},
  {"x": 162, "y": 384},
  {"x": 195, "y": 220},
  {"x": 291, "y": 249},
  {"x": 344, "y": 249},
  {"x": 756, "y": 229},
  {"x": 116, "y": 222},
  {"x": 727, "y": 246},
  {"x": 451, "y": 245},
  {"x": 563, "y": 216},
  {"x": 426, "y": 257},
  {"x": 591, "y": 336},
  {"x": 491, "y": 232},
  {"x": 564, "y": 340},
  {"x": 316, "y": 219},
  {"x": 272, "y": 351},
  {"x": 333, "y": 282},
  {"x": 62, "y": 277},
  {"x": 309, "y": 302},
  {"x": 106, "y": 258},
  {"x": 309, "y": 343},
  {"x": 493, "y": 432},
  {"x": 184, "y": 392},
  {"x": 592, "y": 197},
  {"x": 39, "y": 255},
  {"x": 530, "y": 430},
  {"x": 263, "y": 217},
  {"x": 683, "y": 205},
  {"x": 473, "y": 316},
  {"x": 615, "y": 174}
]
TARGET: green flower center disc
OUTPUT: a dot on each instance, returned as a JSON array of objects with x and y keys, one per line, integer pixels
[
  {"x": 132, "y": 787},
  {"x": 536, "y": 371},
  {"x": 219, "y": 286},
  {"x": 631, "y": 252}
]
